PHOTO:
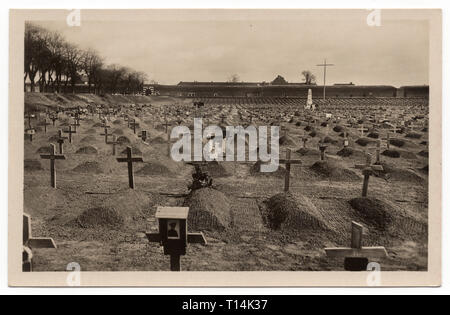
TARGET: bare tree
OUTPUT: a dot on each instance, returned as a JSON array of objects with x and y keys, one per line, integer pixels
[
  {"x": 308, "y": 77},
  {"x": 91, "y": 63},
  {"x": 234, "y": 78}
]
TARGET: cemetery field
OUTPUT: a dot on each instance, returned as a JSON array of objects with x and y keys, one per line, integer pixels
[{"x": 249, "y": 220}]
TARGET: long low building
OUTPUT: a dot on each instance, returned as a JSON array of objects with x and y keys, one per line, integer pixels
[{"x": 245, "y": 89}]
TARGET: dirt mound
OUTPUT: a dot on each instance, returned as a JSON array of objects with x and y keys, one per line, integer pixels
[
  {"x": 373, "y": 135},
  {"x": 324, "y": 124},
  {"x": 32, "y": 165},
  {"x": 91, "y": 131},
  {"x": 118, "y": 132},
  {"x": 364, "y": 142},
  {"x": 209, "y": 209},
  {"x": 134, "y": 151},
  {"x": 329, "y": 140},
  {"x": 408, "y": 155},
  {"x": 255, "y": 170},
  {"x": 313, "y": 134},
  {"x": 215, "y": 169},
  {"x": 345, "y": 152},
  {"x": 332, "y": 171},
  {"x": 43, "y": 150},
  {"x": 123, "y": 140},
  {"x": 413, "y": 135},
  {"x": 423, "y": 153},
  {"x": 158, "y": 140},
  {"x": 391, "y": 153},
  {"x": 286, "y": 141},
  {"x": 424, "y": 143},
  {"x": 338, "y": 129},
  {"x": 87, "y": 150},
  {"x": 308, "y": 128},
  {"x": 97, "y": 125},
  {"x": 89, "y": 168},
  {"x": 284, "y": 212},
  {"x": 397, "y": 142},
  {"x": 397, "y": 174},
  {"x": 373, "y": 211},
  {"x": 308, "y": 152},
  {"x": 53, "y": 139},
  {"x": 88, "y": 139},
  {"x": 117, "y": 122},
  {"x": 154, "y": 169},
  {"x": 425, "y": 169},
  {"x": 100, "y": 217}
]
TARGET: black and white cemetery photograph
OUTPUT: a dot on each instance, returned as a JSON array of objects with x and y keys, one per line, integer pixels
[{"x": 228, "y": 141}]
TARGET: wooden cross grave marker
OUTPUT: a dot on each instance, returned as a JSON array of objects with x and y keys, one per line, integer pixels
[
  {"x": 29, "y": 117},
  {"x": 288, "y": 163},
  {"x": 106, "y": 134},
  {"x": 45, "y": 123},
  {"x": 367, "y": 170},
  {"x": 362, "y": 129},
  {"x": 30, "y": 243},
  {"x": 388, "y": 140},
  {"x": 173, "y": 234},
  {"x": 70, "y": 131},
  {"x": 133, "y": 125},
  {"x": 356, "y": 256},
  {"x": 54, "y": 118},
  {"x": 322, "y": 148},
  {"x": 52, "y": 157},
  {"x": 61, "y": 141},
  {"x": 129, "y": 160},
  {"x": 114, "y": 142},
  {"x": 143, "y": 135},
  {"x": 30, "y": 132},
  {"x": 378, "y": 151},
  {"x": 75, "y": 125},
  {"x": 304, "y": 140}
]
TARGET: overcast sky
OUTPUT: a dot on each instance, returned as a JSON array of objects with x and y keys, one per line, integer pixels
[{"x": 188, "y": 46}]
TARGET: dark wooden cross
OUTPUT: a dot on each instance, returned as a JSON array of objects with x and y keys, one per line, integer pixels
[
  {"x": 288, "y": 163},
  {"x": 61, "y": 141},
  {"x": 304, "y": 139},
  {"x": 378, "y": 150},
  {"x": 29, "y": 117},
  {"x": 30, "y": 132},
  {"x": 388, "y": 141},
  {"x": 30, "y": 243},
  {"x": 322, "y": 148},
  {"x": 70, "y": 131},
  {"x": 362, "y": 129},
  {"x": 167, "y": 125},
  {"x": 129, "y": 159},
  {"x": 106, "y": 134},
  {"x": 78, "y": 119},
  {"x": 52, "y": 157},
  {"x": 54, "y": 118},
  {"x": 114, "y": 143},
  {"x": 356, "y": 256},
  {"x": 45, "y": 123},
  {"x": 133, "y": 125},
  {"x": 367, "y": 170},
  {"x": 143, "y": 135}
]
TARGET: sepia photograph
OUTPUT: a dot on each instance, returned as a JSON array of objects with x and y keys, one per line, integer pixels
[{"x": 251, "y": 142}]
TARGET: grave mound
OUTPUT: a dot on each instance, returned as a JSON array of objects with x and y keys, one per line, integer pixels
[
  {"x": 345, "y": 152},
  {"x": 154, "y": 168},
  {"x": 87, "y": 150},
  {"x": 284, "y": 212},
  {"x": 425, "y": 169},
  {"x": 373, "y": 211},
  {"x": 298, "y": 124},
  {"x": 329, "y": 140},
  {"x": 134, "y": 151},
  {"x": 255, "y": 170},
  {"x": 215, "y": 169},
  {"x": 308, "y": 128},
  {"x": 413, "y": 135},
  {"x": 209, "y": 209},
  {"x": 309, "y": 152},
  {"x": 313, "y": 134},
  {"x": 397, "y": 174},
  {"x": 96, "y": 125},
  {"x": 53, "y": 138},
  {"x": 118, "y": 132},
  {"x": 363, "y": 142},
  {"x": 117, "y": 122},
  {"x": 100, "y": 217},
  {"x": 88, "y": 139},
  {"x": 123, "y": 140},
  {"x": 32, "y": 165},
  {"x": 43, "y": 150},
  {"x": 338, "y": 129},
  {"x": 89, "y": 167},
  {"x": 324, "y": 124},
  {"x": 408, "y": 155},
  {"x": 332, "y": 171},
  {"x": 424, "y": 143},
  {"x": 158, "y": 140},
  {"x": 286, "y": 141},
  {"x": 90, "y": 131},
  {"x": 423, "y": 153},
  {"x": 391, "y": 153},
  {"x": 397, "y": 142},
  {"x": 425, "y": 129},
  {"x": 373, "y": 135}
]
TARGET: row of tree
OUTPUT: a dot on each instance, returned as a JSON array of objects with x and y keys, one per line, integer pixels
[
  {"x": 308, "y": 79},
  {"x": 56, "y": 65}
]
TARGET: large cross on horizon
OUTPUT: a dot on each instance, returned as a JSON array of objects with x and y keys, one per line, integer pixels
[{"x": 325, "y": 65}]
